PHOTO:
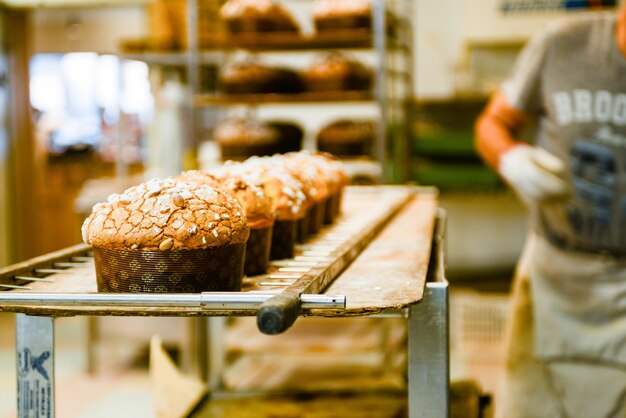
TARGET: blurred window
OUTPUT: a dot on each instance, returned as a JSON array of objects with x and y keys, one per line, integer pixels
[{"x": 79, "y": 98}]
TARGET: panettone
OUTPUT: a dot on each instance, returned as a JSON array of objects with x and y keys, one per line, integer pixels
[
  {"x": 346, "y": 138},
  {"x": 165, "y": 236},
  {"x": 242, "y": 138},
  {"x": 289, "y": 201},
  {"x": 298, "y": 164},
  {"x": 342, "y": 14},
  {"x": 257, "y": 207},
  {"x": 251, "y": 77},
  {"x": 331, "y": 170},
  {"x": 257, "y": 16},
  {"x": 337, "y": 72}
]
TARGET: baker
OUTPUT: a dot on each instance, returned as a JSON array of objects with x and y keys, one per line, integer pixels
[{"x": 566, "y": 345}]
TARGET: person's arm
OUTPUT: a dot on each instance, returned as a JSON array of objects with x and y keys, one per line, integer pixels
[
  {"x": 497, "y": 128},
  {"x": 534, "y": 173}
]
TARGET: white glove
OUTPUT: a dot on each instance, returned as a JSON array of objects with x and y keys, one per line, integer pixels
[{"x": 534, "y": 173}]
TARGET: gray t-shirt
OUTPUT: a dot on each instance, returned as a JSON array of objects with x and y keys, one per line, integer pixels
[{"x": 573, "y": 77}]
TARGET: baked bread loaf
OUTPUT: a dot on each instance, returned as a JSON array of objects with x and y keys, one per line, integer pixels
[
  {"x": 346, "y": 138},
  {"x": 242, "y": 138},
  {"x": 250, "y": 77},
  {"x": 257, "y": 207},
  {"x": 331, "y": 171},
  {"x": 317, "y": 189},
  {"x": 289, "y": 201},
  {"x": 336, "y": 72},
  {"x": 290, "y": 135},
  {"x": 257, "y": 16},
  {"x": 166, "y": 215},
  {"x": 342, "y": 14},
  {"x": 142, "y": 237}
]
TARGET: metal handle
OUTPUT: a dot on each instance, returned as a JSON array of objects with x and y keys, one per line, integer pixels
[{"x": 279, "y": 313}]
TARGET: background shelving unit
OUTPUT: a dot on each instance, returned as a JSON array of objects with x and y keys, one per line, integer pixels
[{"x": 388, "y": 44}]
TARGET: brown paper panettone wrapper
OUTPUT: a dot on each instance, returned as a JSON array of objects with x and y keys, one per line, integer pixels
[
  {"x": 329, "y": 212},
  {"x": 333, "y": 207},
  {"x": 303, "y": 227},
  {"x": 284, "y": 237},
  {"x": 337, "y": 201},
  {"x": 179, "y": 271},
  {"x": 344, "y": 149},
  {"x": 316, "y": 220},
  {"x": 230, "y": 151},
  {"x": 258, "y": 251}
]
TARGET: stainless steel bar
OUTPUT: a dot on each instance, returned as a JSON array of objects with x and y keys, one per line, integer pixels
[
  {"x": 69, "y": 264},
  {"x": 428, "y": 338},
  {"x": 283, "y": 263},
  {"x": 317, "y": 253},
  {"x": 278, "y": 276},
  {"x": 380, "y": 91},
  {"x": 216, "y": 329},
  {"x": 319, "y": 246},
  {"x": 34, "y": 279},
  {"x": 428, "y": 351},
  {"x": 85, "y": 259},
  {"x": 35, "y": 366},
  {"x": 294, "y": 269},
  {"x": 12, "y": 286},
  {"x": 209, "y": 300},
  {"x": 276, "y": 283},
  {"x": 317, "y": 259},
  {"x": 50, "y": 271}
]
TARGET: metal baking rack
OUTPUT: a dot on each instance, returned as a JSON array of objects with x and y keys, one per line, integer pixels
[
  {"x": 397, "y": 229},
  {"x": 46, "y": 282}
]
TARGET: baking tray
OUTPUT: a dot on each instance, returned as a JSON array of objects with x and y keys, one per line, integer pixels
[{"x": 390, "y": 274}]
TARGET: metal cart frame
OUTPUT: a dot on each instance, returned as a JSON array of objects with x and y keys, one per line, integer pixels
[{"x": 428, "y": 344}]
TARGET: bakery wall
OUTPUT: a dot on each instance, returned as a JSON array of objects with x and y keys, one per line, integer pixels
[
  {"x": 448, "y": 32},
  {"x": 94, "y": 29}
]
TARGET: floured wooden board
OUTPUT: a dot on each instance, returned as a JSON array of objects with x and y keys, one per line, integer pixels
[{"x": 389, "y": 274}]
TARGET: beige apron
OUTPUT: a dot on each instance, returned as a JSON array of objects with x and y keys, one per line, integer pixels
[{"x": 567, "y": 336}]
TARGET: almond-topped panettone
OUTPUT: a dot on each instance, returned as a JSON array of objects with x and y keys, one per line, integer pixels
[
  {"x": 255, "y": 203},
  {"x": 257, "y": 16},
  {"x": 317, "y": 189},
  {"x": 289, "y": 201},
  {"x": 168, "y": 236},
  {"x": 257, "y": 207},
  {"x": 331, "y": 170}
]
